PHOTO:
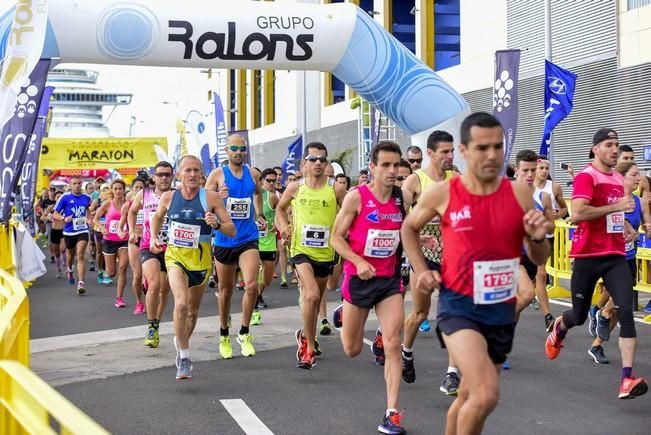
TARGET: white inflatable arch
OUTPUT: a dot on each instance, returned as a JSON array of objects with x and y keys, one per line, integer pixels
[{"x": 338, "y": 38}]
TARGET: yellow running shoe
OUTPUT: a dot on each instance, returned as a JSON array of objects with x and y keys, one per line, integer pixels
[
  {"x": 246, "y": 341},
  {"x": 225, "y": 347},
  {"x": 152, "y": 339},
  {"x": 256, "y": 318}
]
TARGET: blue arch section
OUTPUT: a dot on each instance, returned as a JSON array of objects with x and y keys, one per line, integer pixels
[{"x": 388, "y": 75}]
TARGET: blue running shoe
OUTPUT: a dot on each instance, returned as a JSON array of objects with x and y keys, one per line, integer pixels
[
  {"x": 71, "y": 278},
  {"x": 391, "y": 424},
  {"x": 603, "y": 327},
  {"x": 592, "y": 321},
  {"x": 506, "y": 365},
  {"x": 647, "y": 308},
  {"x": 424, "y": 327},
  {"x": 337, "y": 316},
  {"x": 185, "y": 369}
]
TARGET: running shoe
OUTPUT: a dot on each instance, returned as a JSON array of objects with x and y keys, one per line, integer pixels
[
  {"x": 240, "y": 286},
  {"x": 325, "y": 329},
  {"x": 119, "y": 303},
  {"x": 81, "y": 288},
  {"x": 408, "y": 369},
  {"x": 283, "y": 283},
  {"x": 379, "y": 360},
  {"x": 301, "y": 344},
  {"x": 59, "y": 275},
  {"x": 225, "y": 347},
  {"x": 100, "y": 278},
  {"x": 140, "y": 308},
  {"x": 338, "y": 316},
  {"x": 554, "y": 343},
  {"x": 506, "y": 365},
  {"x": 549, "y": 322},
  {"x": 647, "y": 307},
  {"x": 307, "y": 361},
  {"x": 185, "y": 369},
  {"x": 597, "y": 354},
  {"x": 71, "y": 278},
  {"x": 391, "y": 424},
  {"x": 377, "y": 347},
  {"x": 107, "y": 280},
  {"x": 632, "y": 387},
  {"x": 51, "y": 259},
  {"x": 246, "y": 341},
  {"x": 424, "y": 327},
  {"x": 256, "y": 318},
  {"x": 152, "y": 338},
  {"x": 211, "y": 281},
  {"x": 535, "y": 305},
  {"x": 603, "y": 327},
  {"x": 92, "y": 267},
  {"x": 450, "y": 385},
  {"x": 317, "y": 348},
  {"x": 592, "y": 321},
  {"x": 262, "y": 303}
]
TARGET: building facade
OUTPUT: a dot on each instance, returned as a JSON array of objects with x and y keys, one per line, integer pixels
[{"x": 606, "y": 42}]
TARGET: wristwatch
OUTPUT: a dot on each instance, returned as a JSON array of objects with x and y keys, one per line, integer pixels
[{"x": 218, "y": 226}]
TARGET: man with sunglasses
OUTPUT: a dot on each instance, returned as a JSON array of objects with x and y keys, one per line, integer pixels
[
  {"x": 267, "y": 243},
  {"x": 239, "y": 186},
  {"x": 440, "y": 150},
  {"x": 404, "y": 171},
  {"x": 314, "y": 201},
  {"x": 153, "y": 264},
  {"x": 414, "y": 157}
]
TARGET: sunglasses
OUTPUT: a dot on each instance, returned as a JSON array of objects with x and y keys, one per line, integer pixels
[
  {"x": 415, "y": 160},
  {"x": 400, "y": 178},
  {"x": 314, "y": 159},
  {"x": 235, "y": 148},
  {"x": 268, "y": 180},
  {"x": 163, "y": 174}
]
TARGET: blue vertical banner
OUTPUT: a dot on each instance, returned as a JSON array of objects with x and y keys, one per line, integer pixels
[
  {"x": 205, "y": 141},
  {"x": 16, "y": 135},
  {"x": 294, "y": 155},
  {"x": 559, "y": 100},
  {"x": 505, "y": 97},
  {"x": 29, "y": 173},
  {"x": 222, "y": 133}
]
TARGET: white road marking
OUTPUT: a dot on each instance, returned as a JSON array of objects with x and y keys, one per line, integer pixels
[
  {"x": 245, "y": 418},
  {"x": 569, "y": 304}
]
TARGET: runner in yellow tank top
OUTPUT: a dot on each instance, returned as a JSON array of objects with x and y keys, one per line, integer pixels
[
  {"x": 314, "y": 202},
  {"x": 440, "y": 150}
]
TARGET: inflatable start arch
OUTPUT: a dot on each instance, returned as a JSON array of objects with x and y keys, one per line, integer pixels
[{"x": 337, "y": 38}]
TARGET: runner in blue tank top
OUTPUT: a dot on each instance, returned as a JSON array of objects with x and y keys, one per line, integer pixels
[
  {"x": 239, "y": 186},
  {"x": 72, "y": 208}
]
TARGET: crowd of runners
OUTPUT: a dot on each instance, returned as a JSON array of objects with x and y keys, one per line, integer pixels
[{"x": 478, "y": 240}]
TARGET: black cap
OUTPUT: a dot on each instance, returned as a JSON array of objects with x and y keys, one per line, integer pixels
[{"x": 601, "y": 135}]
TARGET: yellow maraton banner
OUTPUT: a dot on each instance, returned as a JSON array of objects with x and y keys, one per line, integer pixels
[{"x": 100, "y": 153}]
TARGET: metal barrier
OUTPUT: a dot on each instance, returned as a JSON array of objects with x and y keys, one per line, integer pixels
[{"x": 27, "y": 404}]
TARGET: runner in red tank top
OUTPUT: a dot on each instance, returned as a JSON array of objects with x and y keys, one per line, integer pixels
[
  {"x": 371, "y": 216},
  {"x": 480, "y": 268}
]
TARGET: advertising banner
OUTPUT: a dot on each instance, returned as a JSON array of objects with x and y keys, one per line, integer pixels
[
  {"x": 559, "y": 100},
  {"x": 100, "y": 153},
  {"x": 505, "y": 97}
]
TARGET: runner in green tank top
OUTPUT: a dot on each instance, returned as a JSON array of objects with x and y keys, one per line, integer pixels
[
  {"x": 314, "y": 203},
  {"x": 267, "y": 241}
]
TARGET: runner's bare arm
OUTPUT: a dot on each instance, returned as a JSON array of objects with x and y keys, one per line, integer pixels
[
  {"x": 548, "y": 209},
  {"x": 562, "y": 205},
  {"x": 583, "y": 211},
  {"x": 410, "y": 190},
  {"x": 98, "y": 215},
  {"x": 132, "y": 216},
  {"x": 157, "y": 219},
  {"x": 347, "y": 214},
  {"x": 123, "y": 215},
  {"x": 257, "y": 198},
  {"x": 282, "y": 208},
  {"x": 340, "y": 193},
  {"x": 218, "y": 211},
  {"x": 213, "y": 182},
  {"x": 273, "y": 201},
  {"x": 536, "y": 225},
  {"x": 432, "y": 203}
]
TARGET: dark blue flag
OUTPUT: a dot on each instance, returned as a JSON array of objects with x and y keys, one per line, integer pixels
[
  {"x": 559, "y": 98},
  {"x": 505, "y": 97},
  {"x": 294, "y": 155}
]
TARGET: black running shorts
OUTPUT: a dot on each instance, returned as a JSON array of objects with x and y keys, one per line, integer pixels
[
  {"x": 231, "y": 256},
  {"x": 71, "y": 241},
  {"x": 499, "y": 338}
]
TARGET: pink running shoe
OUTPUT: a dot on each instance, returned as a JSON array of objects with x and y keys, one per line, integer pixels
[
  {"x": 140, "y": 308},
  {"x": 119, "y": 303}
]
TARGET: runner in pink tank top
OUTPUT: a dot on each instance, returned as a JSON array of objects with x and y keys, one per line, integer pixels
[
  {"x": 112, "y": 224},
  {"x": 371, "y": 216}
]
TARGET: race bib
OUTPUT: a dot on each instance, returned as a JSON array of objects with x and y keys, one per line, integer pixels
[
  {"x": 79, "y": 224},
  {"x": 381, "y": 243},
  {"x": 140, "y": 217},
  {"x": 495, "y": 281},
  {"x": 163, "y": 237},
  {"x": 239, "y": 208},
  {"x": 615, "y": 223},
  {"x": 315, "y": 236},
  {"x": 113, "y": 227},
  {"x": 184, "y": 235}
]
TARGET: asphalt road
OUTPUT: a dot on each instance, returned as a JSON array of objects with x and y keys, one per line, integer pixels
[{"x": 130, "y": 389}]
